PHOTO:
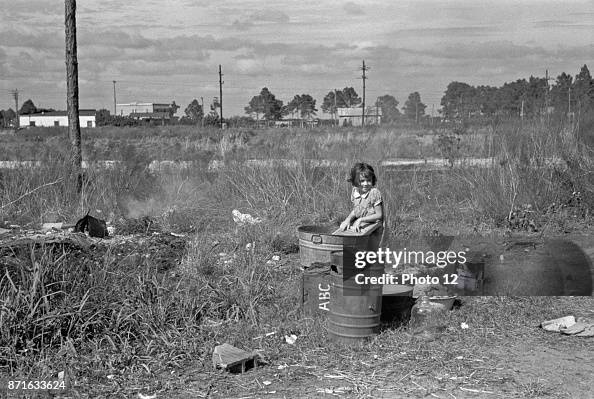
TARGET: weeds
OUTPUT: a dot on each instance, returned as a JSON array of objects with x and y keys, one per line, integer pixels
[{"x": 156, "y": 305}]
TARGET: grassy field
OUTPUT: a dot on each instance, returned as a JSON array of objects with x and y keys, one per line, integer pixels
[{"x": 142, "y": 311}]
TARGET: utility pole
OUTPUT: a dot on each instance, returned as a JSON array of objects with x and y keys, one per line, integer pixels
[
  {"x": 15, "y": 95},
  {"x": 335, "y": 109},
  {"x": 569, "y": 104},
  {"x": 202, "y": 104},
  {"x": 221, "y": 94},
  {"x": 364, "y": 69},
  {"x": 416, "y": 110},
  {"x": 72, "y": 89},
  {"x": 547, "y": 91},
  {"x": 522, "y": 111},
  {"x": 114, "y": 99},
  {"x": 547, "y": 88}
]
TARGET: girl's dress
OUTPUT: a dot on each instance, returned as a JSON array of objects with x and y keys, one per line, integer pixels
[{"x": 364, "y": 203}]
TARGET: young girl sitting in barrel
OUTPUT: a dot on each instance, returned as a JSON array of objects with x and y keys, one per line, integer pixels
[{"x": 366, "y": 199}]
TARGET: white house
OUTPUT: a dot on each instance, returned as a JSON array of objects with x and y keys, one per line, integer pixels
[
  {"x": 86, "y": 118},
  {"x": 353, "y": 117}
]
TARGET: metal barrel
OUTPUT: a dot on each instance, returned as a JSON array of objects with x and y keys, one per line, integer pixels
[
  {"x": 316, "y": 243},
  {"x": 353, "y": 317},
  {"x": 316, "y": 287}
]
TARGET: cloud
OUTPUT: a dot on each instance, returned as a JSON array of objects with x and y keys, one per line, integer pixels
[
  {"x": 562, "y": 24},
  {"x": 242, "y": 25},
  {"x": 500, "y": 50},
  {"x": 458, "y": 31},
  {"x": 35, "y": 64},
  {"x": 274, "y": 16},
  {"x": 249, "y": 66},
  {"x": 112, "y": 38},
  {"x": 32, "y": 8},
  {"x": 3, "y": 62},
  {"x": 581, "y": 53},
  {"x": 38, "y": 39},
  {"x": 353, "y": 9},
  {"x": 260, "y": 17}
]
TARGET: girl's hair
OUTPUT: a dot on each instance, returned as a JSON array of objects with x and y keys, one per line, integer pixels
[{"x": 361, "y": 169}]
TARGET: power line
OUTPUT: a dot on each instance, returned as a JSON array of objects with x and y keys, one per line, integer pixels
[
  {"x": 15, "y": 95},
  {"x": 221, "y": 93},
  {"x": 114, "y": 98},
  {"x": 364, "y": 69}
]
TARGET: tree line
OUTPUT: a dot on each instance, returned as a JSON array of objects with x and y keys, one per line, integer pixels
[{"x": 523, "y": 98}]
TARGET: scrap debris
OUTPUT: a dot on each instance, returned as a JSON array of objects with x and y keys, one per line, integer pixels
[
  {"x": 568, "y": 325},
  {"x": 242, "y": 219},
  {"x": 95, "y": 227},
  {"x": 232, "y": 359}
]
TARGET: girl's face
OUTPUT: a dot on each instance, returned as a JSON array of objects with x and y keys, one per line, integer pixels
[{"x": 365, "y": 183}]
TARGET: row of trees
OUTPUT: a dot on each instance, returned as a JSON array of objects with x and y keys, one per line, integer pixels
[
  {"x": 524, "y": 98},
  {"x": 266, "y": 106},
  {"x": 8, "y": 117}
]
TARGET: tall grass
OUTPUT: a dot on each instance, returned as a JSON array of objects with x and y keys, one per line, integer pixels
[{"x": 115, "y": 308}]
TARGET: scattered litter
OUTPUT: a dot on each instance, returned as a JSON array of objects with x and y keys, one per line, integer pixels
[
  {"x": 222, "y": 254},
  {"x": 233, "y": 359},
  {"x": 110, "y": 377},
  {"x": 244, "y": 218},
  {"x": 556, "y": 325},
  {"x": 475, "y": 390},
  {"x": 141, "y": 396},
  {"x": 276, "y": 258},
  {"x": 568, "y": 325},
  {"x": 336, "y": 390},
  {"x": 265, "y": 335},
  {"x": 282, "y": 366},
  {"x": 250, "y": 246},
  {"x": 291, "y": 339},
  {"x": 459, "y": 357},
  {"x": 95, "y": 227},
  {"x": 266, "y": 383},
  {"x": 588, "y": 332},
  {"x": 574, "y": 329},
  {"x": 463, "y": 326},
  {"x": 61, "y": 375},
  {"x": 173, "y": 234},
  {"x": 52, "y": 226}
]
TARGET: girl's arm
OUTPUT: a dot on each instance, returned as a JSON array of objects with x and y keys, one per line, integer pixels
[
  {"x": 377, "y": 215},
  {"x": 347, "y": 222}
]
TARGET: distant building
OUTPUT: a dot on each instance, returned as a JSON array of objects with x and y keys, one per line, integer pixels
[
  {"x": 353, "y": 117},
  {"x": 86, "y": 118},
  {"x": 308, "y": 122},
  {"x": 145, "y": 111}
]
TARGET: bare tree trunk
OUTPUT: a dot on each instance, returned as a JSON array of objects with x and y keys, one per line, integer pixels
[{"x": 72, "y": 88}]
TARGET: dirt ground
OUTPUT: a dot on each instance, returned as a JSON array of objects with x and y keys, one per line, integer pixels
[
  {"x": 510, "y": 361},
  {"x": 499, "y": 359},
  {"x": 534, "y": 365}
]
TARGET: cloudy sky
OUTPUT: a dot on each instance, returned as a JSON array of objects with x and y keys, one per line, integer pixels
[{"x": 159, "y": 51}]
